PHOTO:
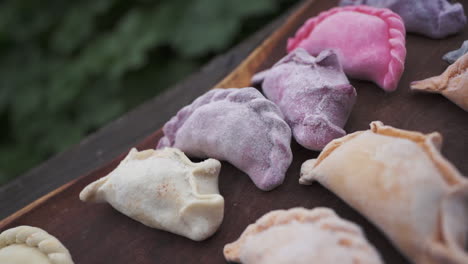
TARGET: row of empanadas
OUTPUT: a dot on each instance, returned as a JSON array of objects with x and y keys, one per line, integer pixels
[{"x": 396, "y": 178}]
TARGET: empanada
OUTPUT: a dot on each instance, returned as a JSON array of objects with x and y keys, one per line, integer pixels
[
  {"x": 31, "y": 245},
  {"x": 299, "y": 236},
  {"x": 399, "y": 180},
  {"x": 163, "y": 189},
  {"x": 313, "y": 93},
  {"x": 370, "y": 42},
  {"x": 454, "y": 55},
  {"x": 453, "y": 83},
  {"x": 237, "y": 125},
  {"x": 432, "y": 18}
]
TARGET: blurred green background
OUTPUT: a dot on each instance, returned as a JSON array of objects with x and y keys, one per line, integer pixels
[{"x": 68, "y": 67}]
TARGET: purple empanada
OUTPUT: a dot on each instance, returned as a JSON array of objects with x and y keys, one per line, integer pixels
[
  {"x": 432, "y": 18},
  {"x": 313, "y": 93},
  {"x": 237, "y": 125}
]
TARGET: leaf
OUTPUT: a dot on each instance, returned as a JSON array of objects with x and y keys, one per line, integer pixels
[
  {"x": 23, "y": 20},
  {"x": 209, "y": 26},
  {"x": 145, "y": 84},
  {"x": 78, "y": 25},
  {"x": 16, "y": 159}
]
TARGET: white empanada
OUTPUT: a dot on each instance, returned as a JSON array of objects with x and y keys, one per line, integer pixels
[
  {"x": 301, "y": 236},
  {"x": 163, "y": 189},
  {"x": 31, "y": 245},
  {"x": 400, "y": 181}
]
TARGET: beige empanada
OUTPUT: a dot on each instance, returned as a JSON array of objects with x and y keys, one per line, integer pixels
[
  {"x": 163, "y": 189},
  {"x": 400, "y": 181},
  {"x": 453, "y": 83},
  {"x": 32, "y": 245},
  {"x": 301, "y": 236}
]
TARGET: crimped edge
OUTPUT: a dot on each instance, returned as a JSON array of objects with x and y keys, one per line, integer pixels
[
  {"x": 396, "y": 32},
  {"x": 282, "y": 217},
  {"x": 258, "y": 103},
  {"x": 37, "y": 238}
]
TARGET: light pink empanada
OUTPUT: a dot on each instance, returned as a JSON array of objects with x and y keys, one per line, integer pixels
[
  {"x": 369, "y": 41},
  {"x": 399, "y": 180},
  {"x": 453, "y": 83},
  {"x": 302, "y": 236}
]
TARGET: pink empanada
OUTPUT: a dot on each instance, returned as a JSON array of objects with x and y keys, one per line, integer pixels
[
  {"x": 369, "y": 41},
  {"x": 313, "y": 93},
  {"x": 237, "y": 125},
  {"x": 302, "y": 236},
  {"x": 453, "y": 83},
  {"x": 399, "y": 180}
]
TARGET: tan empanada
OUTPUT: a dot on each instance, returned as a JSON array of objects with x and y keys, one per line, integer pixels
[
  {"x": 453, "y": 83},
  {"x": 301, "y": 236},
  {"x": 163, "y": 189},
  {"x": 32, "y": 245},
  {"x": 400, "y": 181}
]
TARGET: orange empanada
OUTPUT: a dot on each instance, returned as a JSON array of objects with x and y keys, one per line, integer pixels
[
  {"x": 453, "y": 83},
  {"x": 302, "y": 236},
  {"x": 400, "y": 181}
]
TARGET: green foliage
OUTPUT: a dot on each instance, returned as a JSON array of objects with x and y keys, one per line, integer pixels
[{"x": 68, "y": 67}]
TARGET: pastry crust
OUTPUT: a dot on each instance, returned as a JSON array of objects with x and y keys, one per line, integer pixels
[
  {"x": 163, "y": 189},
  {"x": 236, "y": 125},
  {"x": 394, "y": 32},
  {"x": 302, "y": 235},
  {"x": 27, "y": 244},
  {"x": 452, "y": 83},
  {"x": 399, "y": 180},
  {"x": 313, "y": 93}
]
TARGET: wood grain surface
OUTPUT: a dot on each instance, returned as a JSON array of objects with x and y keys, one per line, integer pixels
[{"x": 96, "y": 233}]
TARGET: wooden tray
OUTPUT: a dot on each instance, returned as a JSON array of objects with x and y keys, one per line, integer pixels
[{"x": 96, "y": 233}]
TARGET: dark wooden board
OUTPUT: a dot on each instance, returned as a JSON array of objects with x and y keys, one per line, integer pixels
[{"x": 96, "y": 233}]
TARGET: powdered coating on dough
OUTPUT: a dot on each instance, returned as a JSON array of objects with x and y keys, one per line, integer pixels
[
  {"x": 313, "y": 93},
  {"x": 305, "y": 236},
  {"x": 370, "y": 42},
  {"x": 237, "y": 125},
  {"x": 163, "y": 189}
]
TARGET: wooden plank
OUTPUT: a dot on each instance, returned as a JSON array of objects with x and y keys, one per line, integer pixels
[{"x": 93, "y": 232}]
